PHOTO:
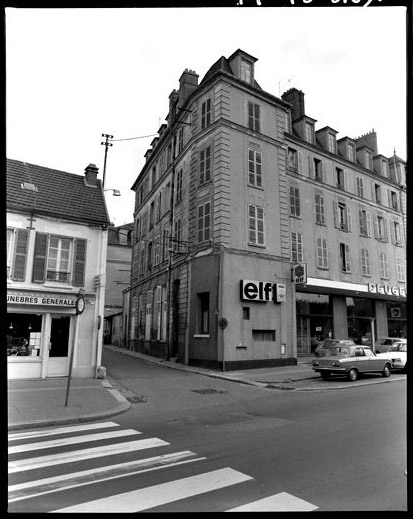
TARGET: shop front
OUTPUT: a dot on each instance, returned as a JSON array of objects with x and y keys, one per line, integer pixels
[{"x": 40, "y": 333}]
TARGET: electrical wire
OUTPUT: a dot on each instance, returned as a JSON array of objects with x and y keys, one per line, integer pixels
[{"x": 132, "y": 138}]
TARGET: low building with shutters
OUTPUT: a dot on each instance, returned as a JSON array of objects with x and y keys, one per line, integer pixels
[{"x": 57, "y": 229}]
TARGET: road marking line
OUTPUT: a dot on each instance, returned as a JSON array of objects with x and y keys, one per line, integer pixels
[
  {"x": 87, "y": 477},
  {"x": 282, "y": 502},
  {"x": 60, "y": 430},
  {"x": 71, "y": 440},
  {"x": 84, "y": 454},
  {"x": 157, "y": 495}
]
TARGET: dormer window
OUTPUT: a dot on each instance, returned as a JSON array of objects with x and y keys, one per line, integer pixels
[
  {"x": 246, "y": 71},
  {"x": 331, "y": 143},
  {"x": 350, "y": 152},
  {"x": 309, "y": 133},
  {"x": 385, "y": 168},
  {"x": 368, "y": 160}
]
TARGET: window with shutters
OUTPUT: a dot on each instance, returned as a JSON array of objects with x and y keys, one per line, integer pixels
[
  {"x": 255, "y": 225},
  {"x": 59, "y": 259},
  {"x": 177, "y": 239},
  {"x": 377, "y": 193},
  {"x": 204, "y": 222},
  {"x": 254, "y": 168},
  {"x": 340, "y": 179},
  {"x": 381, "y": 229},
  {"x": 319, "y": 209},
  {"x": 165, "y": 244},
  {"x": 178, "y": 194},
  {"x": 322, "y": 253},
  {"x": 292, "y": 160},
  {"x": 157, "y": 251},
  {"x": 393, "y": 200},
  {"x": 206, "y": 113},
  {"x": 254, "y": 117},
  {"x": 296, "y": 247},
  {"x": 364, "y": 223},
  {"x": 318, "y": 170},
  {"x": 360, "y": 187},
  {"x": 365, "y": 262},
  {"x": 345, "y": 264},
  {"x": 17, "y": 244},
  {"x": 384, "y": 268},
  {"x": 396, "y": 233},
  {"x": 205, "y": 165},
  {"x": 295, "y": 208},
  {"x": 342, "y": 216}
]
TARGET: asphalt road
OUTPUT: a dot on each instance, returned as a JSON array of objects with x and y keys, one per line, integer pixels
[{"x": 232, "y": 445}]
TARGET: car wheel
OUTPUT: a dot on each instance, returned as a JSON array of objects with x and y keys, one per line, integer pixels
[
  {"x": 352, "y": 375},
  {"x": 325, "y": 375},
  {"x": 386, "y": 371}
]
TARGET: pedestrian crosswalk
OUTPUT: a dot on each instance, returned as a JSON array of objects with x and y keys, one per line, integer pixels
[{"x": 52, "y": 476}]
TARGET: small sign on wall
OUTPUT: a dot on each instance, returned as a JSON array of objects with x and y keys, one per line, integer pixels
[{"x": 280, "y": 293}]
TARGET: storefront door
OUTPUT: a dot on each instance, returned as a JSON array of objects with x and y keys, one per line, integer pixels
[{"x": 59, "y": 346}]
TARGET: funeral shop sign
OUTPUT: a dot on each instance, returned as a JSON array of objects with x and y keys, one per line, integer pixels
[{"x": 36, "y": 300}]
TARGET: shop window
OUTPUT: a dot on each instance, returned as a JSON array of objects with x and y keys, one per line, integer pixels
[
  {"x": 316, "y": 304},
  {"x": 359, "y": 307},
  {"x": 24, "y": 334},
  {"x": 263, "y": 335},
  {"x": 59, "y": 259},
  {"x": 203, "y": 313}
]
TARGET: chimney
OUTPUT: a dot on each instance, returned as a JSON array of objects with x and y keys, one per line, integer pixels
[
  {"x": 91, "y": 173},
  {"x": 368, "y": 139},
  {"x": 296, "y": 99},
  {"x": 188, "y": 83}
]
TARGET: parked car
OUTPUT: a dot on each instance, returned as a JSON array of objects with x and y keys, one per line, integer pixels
[
  {"x": 351, "y": 361},
  {"x": 397, "y": 354},
  {"x": 383, "y": 344},
  {"x": 322, "y": 348}
]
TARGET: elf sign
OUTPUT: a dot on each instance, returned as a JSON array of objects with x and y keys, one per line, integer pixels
[{"x": 262, "y": 291}]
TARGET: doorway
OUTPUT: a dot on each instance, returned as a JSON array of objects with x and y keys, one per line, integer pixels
[{"x": 59, "y": 346}]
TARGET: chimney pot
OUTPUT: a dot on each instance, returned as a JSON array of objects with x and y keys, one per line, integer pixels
[{"x": 91, "y": 173}]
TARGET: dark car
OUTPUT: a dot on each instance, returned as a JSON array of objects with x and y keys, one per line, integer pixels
[
  {"x": 351, "y": 361},
  {"x": 322, "y": 348}
]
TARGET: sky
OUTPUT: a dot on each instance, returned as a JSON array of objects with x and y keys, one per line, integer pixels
[{"x": 73, "y": 74}]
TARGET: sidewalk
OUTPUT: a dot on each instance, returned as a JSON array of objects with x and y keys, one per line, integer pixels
[{"x": 41, "y": 403}]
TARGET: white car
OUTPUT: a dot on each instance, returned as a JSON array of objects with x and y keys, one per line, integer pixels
[
  {"x": 397, "y": 354},
  {"x": 383, "y": 344}
]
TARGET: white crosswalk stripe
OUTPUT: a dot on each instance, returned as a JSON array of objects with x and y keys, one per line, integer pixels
[
  {"x": 135, "y": 500},
  {"x": 157, "y": 495},
  {"x": 72, "y": 440}
]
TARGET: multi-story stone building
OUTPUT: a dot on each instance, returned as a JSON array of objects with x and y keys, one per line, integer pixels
[
  {"x": 56, "y": 265},
  {"x": 237, "y": 190}
]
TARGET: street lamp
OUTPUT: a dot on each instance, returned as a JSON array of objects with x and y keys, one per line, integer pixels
[{"x": 116, "y": 192}]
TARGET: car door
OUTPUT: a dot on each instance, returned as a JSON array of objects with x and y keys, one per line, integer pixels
[
  {"x": 372, "y": 363},
  {"x": 359, "y": 359}
]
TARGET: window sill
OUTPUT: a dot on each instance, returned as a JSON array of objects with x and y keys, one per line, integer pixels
[
  {"x": 56, "y": 284},
  {"x": 259, "y": 246},
  {"x": 201, "y": 336},
  {"x": 255, "y": 187}
]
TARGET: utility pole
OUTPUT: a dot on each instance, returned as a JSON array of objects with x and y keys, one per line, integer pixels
[{"x": 106, "y": 144}]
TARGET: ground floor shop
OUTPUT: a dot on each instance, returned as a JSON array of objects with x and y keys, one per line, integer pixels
[
  {"x": 44, "y": 330},
  {"x": 345, "y": 310}
]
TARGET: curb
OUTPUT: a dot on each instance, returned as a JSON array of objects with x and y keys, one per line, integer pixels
[{"x": 123, "y": 406}]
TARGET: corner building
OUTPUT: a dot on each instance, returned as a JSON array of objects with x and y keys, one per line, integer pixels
[{"x": 225, "y": 207}]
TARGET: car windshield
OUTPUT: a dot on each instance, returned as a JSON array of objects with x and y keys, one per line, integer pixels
[
  {"x": 400, "y": 346},
  {"x": 338, "y": 350}
]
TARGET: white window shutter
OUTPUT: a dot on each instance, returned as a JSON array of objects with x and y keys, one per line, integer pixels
[
  {"x": 311, "y": 167},
  {"x": 300, "y": 162},
  {"x": 368, "y": 218},
  {"x": 349, "y": 226},
  {"x": 335, "y": 213}
]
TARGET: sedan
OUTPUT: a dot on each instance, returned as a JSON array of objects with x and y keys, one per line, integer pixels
[
  {"x": 323, "y": 347},
  {"x": 397, "y": 354},
  {"x": 351, "y": 361}
]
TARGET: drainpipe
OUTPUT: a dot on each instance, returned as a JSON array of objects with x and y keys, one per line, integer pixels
[
  {"x": 171, "y": 221},
  {"x": 100, "y": 296},
  {"x": 220, "y": 331}
]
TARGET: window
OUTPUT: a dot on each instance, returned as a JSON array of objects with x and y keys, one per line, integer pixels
[
  {"x": 350, "y": 152},
  {"x": 309, "y": 133},
  {"x": 364, "y": 223},
  {"x": 203, "y": 313},
  {"x": 365, "y": 262},
  {"x": 168, "y": 197},
  {"x": 340, "y": 178},
  {"x": 295, "y": 209},
  {"x": 296, "y": 247},
  {"x": 287, "y": 122},
  {"x": 360, "y": 187},
  {"x": 342, "y": 216},
  {"x": 246, "y": 313},
  {"x": 263, "y": 335},
  {"x": 254, "y": 117},
  {"x": 319, "y": 209},
  {"x": 159, "y": 207},
  {"x": 137, "y": 230},
  {"x": 17, "y": 243},
  {"x": 383, "y": 265},
  {"x": 318, "y": 170},
  {"x": 246, "y": 71},
  {"x": 204, "y": 222},
  {"x": 205, "y": 165},
  {"x": 180, "y": 139},
  {"x": 377, "y": 193},
  {"x": 393, "y": 200},
  {"x": 149, "y": 257},
  {"x": 331, "y": 143},
  {"x": 369, "y": 160},
  {"x": 142, "y": 258},
  {"x": 400, "y": 269},
  {"x": 165, "y": 244},
  {"x": 178, "y": 196},
  {"x": 58, "y": 258},
  {"x": 154, "y": 176},
  {"x": 157, "y": 251},
  {"x": 169, "y": 155},
  {"x": 254, "y": 168},
  {"x": 345, "y": 265},
  {"x": 396, "y": 234},
  {"x": 384, "y": 168},
  {"x": 322, "y": 253},
  {"x": 292, "y": 160},
  {"x": 177, "y": 239},
  {"x": 256, "y": 225},
  {"x": 381, "y": 229},
  {"x": 206, "y": 113},
  {"x": 151, "y": 214}
]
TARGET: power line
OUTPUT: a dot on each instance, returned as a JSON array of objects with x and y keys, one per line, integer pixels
[{"x": 132, "y": 138}]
